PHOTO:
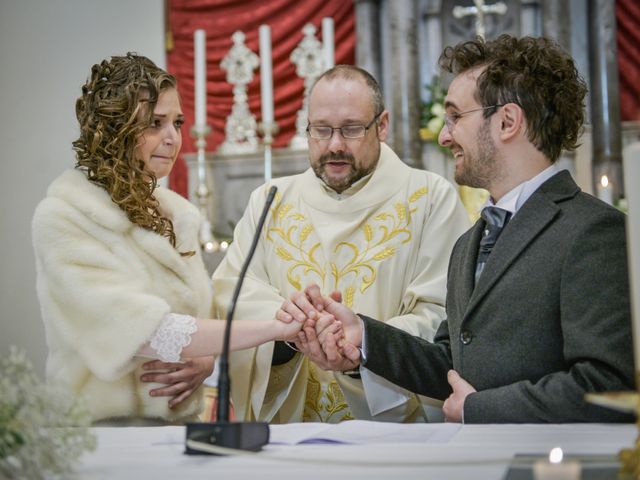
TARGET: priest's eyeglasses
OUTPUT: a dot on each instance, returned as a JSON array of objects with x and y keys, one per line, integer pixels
[
  {"x": 347, "y": 131},
  {"x": 450, "y": 119}
]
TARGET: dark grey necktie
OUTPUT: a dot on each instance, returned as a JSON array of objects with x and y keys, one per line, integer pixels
[{"x": 496, "y": 219}]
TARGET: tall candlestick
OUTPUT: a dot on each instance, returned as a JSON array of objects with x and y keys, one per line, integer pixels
[
  {"x": 631, "y": 169},
  {"x": 266, "y": 76},
  {"x": 200, "y": 62},
  {"x": 267, "y": 162},
  {"x": 327, "y": 43}
]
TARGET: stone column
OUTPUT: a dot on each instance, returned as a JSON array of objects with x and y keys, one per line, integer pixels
[
  {"x": 403, "y": 68},
  {"x": 368, "y": 35},
  {"x": 605, "y": 101},
  {"x": 555, "y": 25},
  {"x": 556, "y": 22}
]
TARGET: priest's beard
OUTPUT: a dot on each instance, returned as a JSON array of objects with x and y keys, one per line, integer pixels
[
  {"x": 355, "y": 173},
  {"x": 479, "y": 168}
]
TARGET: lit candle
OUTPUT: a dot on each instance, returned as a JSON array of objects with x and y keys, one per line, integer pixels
[
  {"x": 266, "y": 76},
  {"x": 631, "y": 169},
  {"x": 327, "y": 43},
  {"x": 605, "y": 190},
  {"x": 555, "y": 468},
  {"x": 200, "y": 67}
]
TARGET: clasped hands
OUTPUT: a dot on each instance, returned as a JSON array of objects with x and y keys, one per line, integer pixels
[{"x": 331, "y": 333}]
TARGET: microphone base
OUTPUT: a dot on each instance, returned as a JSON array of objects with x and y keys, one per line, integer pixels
[{"x": 238, "y": 435}]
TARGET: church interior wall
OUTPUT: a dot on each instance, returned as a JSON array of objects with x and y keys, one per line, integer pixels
[{"x": 46, "y": 50}]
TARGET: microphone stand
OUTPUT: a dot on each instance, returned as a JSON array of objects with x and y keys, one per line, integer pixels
[{"x": 223, "y": 433}]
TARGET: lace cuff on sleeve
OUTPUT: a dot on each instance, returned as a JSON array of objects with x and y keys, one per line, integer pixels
[{"x": 173, "y": 334}]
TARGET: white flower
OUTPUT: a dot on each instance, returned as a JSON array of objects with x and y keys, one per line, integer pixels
[
  {"x": 437, "y": 110},
  {"x": 43, "y": 428},
  {"x": 435, "y": 125}
]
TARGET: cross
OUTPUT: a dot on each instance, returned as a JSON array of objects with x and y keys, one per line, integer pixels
[{"x": 480, "y": 10}]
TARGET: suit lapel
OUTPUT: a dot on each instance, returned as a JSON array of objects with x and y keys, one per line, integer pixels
[
  {"x": 468, "y": 258},
  {"x": 538, "y": 212}
]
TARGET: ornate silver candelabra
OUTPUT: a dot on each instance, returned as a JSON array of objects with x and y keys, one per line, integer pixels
[
  {"x": 308, "y": 58},
  {"x": 240, "y": 129}
]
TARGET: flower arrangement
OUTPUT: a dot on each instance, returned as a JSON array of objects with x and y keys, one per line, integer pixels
[
  {"x": 43, "y": 428},
  {"x": 432, "y": 117}
]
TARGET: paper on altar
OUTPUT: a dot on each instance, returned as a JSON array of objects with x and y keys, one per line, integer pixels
[{"x": 362, "y": 432}]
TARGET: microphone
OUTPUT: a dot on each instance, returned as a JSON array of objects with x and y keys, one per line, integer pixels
[{"x": 223, "y": 433}]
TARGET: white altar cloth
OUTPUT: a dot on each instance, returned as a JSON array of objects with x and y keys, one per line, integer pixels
[{"x": 447, "y": 452}]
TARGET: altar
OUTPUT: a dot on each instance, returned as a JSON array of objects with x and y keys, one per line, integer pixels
[
  {"x": 407, "y": 451},
  {"x": 232, "y": 177}
]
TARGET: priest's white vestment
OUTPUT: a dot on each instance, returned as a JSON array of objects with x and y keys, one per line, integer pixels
[{"x": 386, "y": 248}]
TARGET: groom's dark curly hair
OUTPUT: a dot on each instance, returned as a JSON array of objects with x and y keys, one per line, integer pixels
[{"x": 534, "y": 73}]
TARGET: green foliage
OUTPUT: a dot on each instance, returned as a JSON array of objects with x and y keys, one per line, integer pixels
[{"x": 432, "y": 115}]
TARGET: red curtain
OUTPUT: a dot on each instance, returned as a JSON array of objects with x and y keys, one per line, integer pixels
[
  {"x": 628, "y": 39},
  {"x": 220, "y": 19}
]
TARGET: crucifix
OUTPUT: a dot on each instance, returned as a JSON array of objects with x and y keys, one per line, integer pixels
[{"x": 480, "y": 10}]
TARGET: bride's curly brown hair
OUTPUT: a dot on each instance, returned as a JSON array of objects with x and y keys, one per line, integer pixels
[{"x": 115, "y": 108}]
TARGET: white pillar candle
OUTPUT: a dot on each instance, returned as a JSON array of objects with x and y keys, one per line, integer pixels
[
  {"x": 555, "y": 468},
  {"x": 567, "y": 470},
  {"x": 631, "y": 169},
  {"x": 266, "y": 94},
  {"x": 266, "y": 75},
  {"x": 605, "y": 190},
  {"x": 327, "y": 43},
  {"x": 200, "y": 68}
]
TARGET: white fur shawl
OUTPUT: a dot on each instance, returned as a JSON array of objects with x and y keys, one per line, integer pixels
[{"x": 104, "y": 284}]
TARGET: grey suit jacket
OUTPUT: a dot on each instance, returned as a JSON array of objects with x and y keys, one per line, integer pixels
[{"x": 547, "y": 322}]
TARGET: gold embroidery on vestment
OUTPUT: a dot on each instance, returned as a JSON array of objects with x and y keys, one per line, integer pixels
[
  {"x": 324, "y": 402},
  {"x": 292, "y": 235}
]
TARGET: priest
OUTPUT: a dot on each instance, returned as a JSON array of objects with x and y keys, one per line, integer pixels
[{"x": 359, "y": 222}]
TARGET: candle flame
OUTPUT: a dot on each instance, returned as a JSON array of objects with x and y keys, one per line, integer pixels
[
  {"x": 211, "y": 246},
  {"x": 604, "y": 181},
  {"x": 555, "y": 455}
]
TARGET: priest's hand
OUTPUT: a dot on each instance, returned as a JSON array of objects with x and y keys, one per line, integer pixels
[
  {"x": 312, "y": 307},
  {"x": 180, "y": 379},
  {"x": 305, "y": 305},
  {"x": 325, "y": 332},
  {"x": 339, "y": 353},
  {"x": 453, "y": 407},
  {"x": 351, "y": 324},
  {"x": 327, "y": 346}
]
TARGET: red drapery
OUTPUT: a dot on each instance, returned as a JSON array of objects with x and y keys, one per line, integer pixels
[
  {"x": 628, "y": 39},
  {"x": 220, "y": 19}
]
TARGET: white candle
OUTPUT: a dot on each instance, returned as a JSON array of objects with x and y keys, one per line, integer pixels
[
  {"x": 200, "y": 67},
  {"x": 555, "y": 468},
  {"x": 327, "y": 43},
  {"x": 605, "y": 190},
  {"x": 266, "y": 76},
  {"x": 567, "y": 470},
  {"x": 631, "y": 168}
]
